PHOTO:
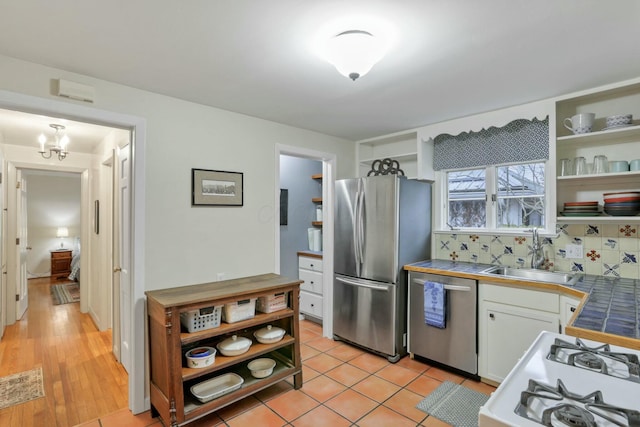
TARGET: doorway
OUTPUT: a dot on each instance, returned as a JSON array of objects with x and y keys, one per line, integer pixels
[
  {"x": 134, "y": 243},
  {"x": 328, "y": 165}
]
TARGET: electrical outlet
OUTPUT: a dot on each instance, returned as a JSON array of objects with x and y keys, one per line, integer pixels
[
  {"x": 573, "y": 251},
  {"x": 220, "y": 276}
]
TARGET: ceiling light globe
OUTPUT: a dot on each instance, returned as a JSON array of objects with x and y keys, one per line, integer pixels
[{"x": 354, "y": 52}]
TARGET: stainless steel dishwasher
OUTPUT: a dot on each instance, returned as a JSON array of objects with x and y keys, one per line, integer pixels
[{"x": 456, "y": 344}]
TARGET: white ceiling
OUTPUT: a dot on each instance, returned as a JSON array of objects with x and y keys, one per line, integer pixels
[{"x": 451, "y": 58}]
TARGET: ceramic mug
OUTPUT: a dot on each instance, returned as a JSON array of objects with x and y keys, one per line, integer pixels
[
  {"x": 580, "y": 123},
  {"x": 619, "y": 166},
  {"x": 634, "y": 165}
]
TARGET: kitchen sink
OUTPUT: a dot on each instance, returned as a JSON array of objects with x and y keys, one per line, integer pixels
[{"x": 532, "y": 274}]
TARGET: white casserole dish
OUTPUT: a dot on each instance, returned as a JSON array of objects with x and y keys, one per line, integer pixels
[
  {"x": 269, "y": 334},
  {"x": 216, "y": 387},
  {"x": 234, "y": 346}
]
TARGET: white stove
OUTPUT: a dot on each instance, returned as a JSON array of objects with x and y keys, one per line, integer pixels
[{"x": 566, "y": 381}]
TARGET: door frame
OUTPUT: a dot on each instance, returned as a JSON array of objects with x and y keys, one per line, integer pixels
[
  {"x": 12, "y": 250},
  {"x": 138, "y": 402},
  {"x": 328, "y": 184}
]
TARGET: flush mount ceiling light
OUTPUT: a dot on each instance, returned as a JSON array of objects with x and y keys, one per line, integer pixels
[
  {"x": 354, "y": 52},
  {"x": 58, "y": 146}
]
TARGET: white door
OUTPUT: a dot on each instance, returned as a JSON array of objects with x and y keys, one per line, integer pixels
[
  {"x": 3, "y": 272},
  {"x": 22, "y": 300},
  {"x": 124, "y": 256}
]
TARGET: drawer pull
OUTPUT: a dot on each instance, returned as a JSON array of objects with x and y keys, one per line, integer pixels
[
  {"x": 492, "y": 316},
  {"x": 573, "y": 309}
]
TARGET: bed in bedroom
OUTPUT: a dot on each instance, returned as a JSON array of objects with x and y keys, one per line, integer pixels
[{"x": 75, "y": 266}]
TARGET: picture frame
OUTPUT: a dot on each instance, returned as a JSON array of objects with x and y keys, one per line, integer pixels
[{"x": 216, "y": 188}]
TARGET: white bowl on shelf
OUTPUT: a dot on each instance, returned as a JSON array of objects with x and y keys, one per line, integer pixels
[{"x": 261, "y": 368}]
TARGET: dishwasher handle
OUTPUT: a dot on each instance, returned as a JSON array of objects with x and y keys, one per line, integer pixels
[{"x": 447, "y": 287}]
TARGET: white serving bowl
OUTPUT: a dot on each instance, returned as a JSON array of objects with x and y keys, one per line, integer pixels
[
  {"x": 234, "y": 346},
  {"x": 269, "y": 334},
  {"x": 619, "y": 120},
  {"x": 261, "y": 368},
  {"x": 200, "y": 357}
]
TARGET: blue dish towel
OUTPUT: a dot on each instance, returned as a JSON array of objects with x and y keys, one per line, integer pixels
[{"x": 435, "y": 302}]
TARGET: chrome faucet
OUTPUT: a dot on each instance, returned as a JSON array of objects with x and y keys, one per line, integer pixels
[{"x": 537, "y": 256}]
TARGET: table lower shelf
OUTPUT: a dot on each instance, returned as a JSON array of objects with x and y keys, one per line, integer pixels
[{"x": 283, "y": 369}]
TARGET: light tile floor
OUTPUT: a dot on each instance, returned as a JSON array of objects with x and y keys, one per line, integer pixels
[{"x": 343, "y": 386}]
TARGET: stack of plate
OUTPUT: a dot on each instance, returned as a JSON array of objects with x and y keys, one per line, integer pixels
[
  {"x": 581, "y": 209},
  {"x": 622, "y": 204}
]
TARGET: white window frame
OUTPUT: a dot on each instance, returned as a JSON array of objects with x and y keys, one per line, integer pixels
[{"x": 441, "y": 199}]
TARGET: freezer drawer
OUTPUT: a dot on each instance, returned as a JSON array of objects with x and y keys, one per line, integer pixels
[
  {"x": 364, "y": 312},
  {"x": 456, "y": 344}
]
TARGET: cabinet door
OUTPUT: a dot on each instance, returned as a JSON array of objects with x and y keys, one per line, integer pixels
[{"x": 506, "y": 332}]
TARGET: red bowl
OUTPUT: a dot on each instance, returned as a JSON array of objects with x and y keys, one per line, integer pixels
[
  {"x": 621, "y": 199},
  {"x": 581, "y": 203}
]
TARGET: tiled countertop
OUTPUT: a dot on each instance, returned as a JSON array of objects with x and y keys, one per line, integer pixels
[{"x": 610, "y": 308}]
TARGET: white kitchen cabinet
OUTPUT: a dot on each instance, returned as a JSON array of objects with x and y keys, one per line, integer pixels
[
  {"x": 311, "y": 290},
  {"x": 617, "y": 144},
  {"x": 568, "y": 306},
  {"x": 509, "y": 320}
]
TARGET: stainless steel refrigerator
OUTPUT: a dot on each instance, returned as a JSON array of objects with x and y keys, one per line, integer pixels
[{"x": 381, "y": 224}]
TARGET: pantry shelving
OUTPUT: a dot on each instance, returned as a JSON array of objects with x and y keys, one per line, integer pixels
[
  {"x": 622, "y": 143},
  {"x": 171, "y": 379}
]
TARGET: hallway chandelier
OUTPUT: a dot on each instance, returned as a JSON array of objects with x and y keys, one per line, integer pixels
[{"x": 59, "y": 146}]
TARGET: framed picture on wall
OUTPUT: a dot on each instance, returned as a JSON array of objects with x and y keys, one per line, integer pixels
[{"x": 216, "y": 188}]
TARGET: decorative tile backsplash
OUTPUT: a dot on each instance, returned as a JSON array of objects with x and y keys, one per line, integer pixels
[{"x": 611, "y": 250}]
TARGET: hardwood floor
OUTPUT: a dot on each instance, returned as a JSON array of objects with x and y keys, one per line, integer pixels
[{"x": 82, "y": 379}]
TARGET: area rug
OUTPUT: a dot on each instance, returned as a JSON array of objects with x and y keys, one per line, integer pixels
[
  {"x": 65, "y": 293},
  {"x": 21, "y": 387},
  {"x": 454, "y": 404}
]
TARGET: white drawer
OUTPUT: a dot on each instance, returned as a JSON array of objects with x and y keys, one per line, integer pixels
[
  {"x": 312, "y": 281},
  {"x": 527, "y": 298},
  {"x": 309, "y": 263},
  {"x": 311, "y": 304}
]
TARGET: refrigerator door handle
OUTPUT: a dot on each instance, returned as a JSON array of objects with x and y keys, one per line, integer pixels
[
  {"x": 362, "y": 284},
  {"x": 361, "y": 227},
  {"x": 447, "y": 287}
]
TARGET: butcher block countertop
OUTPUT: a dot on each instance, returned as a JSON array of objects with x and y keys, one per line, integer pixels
[
  {"x": 224, "y": 291},
  {"x": 609, "y": 310}
]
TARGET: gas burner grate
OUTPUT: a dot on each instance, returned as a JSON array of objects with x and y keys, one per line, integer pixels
[
  {"x": 597, "y": 359},
  {"x": 572, "y": 409}
]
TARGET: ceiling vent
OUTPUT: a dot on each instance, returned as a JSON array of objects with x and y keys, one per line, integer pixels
[{"x": 76, "y": 91}]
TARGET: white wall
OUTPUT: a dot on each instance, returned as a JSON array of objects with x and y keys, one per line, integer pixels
[
  {"x": 186, "y": 244},
  {"x": 52, "y": 201}
]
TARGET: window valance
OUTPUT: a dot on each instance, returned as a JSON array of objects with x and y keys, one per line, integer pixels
[{"x": 521, "y": 140}]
